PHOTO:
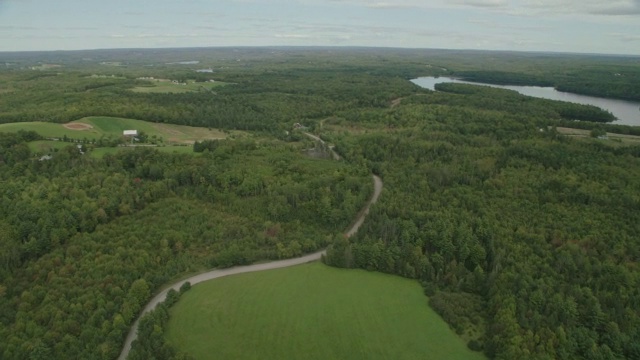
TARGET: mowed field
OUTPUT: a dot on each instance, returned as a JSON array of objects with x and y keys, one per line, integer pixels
[
  {"x": 167, "y": 87},
  {"x": 109, "y": 126},
  {"x": 311, "y": 311},
  {"x": 47, "y": 146},
  {"x": 47, "y": 129}
]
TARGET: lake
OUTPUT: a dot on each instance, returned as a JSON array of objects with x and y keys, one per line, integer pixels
[{"x": 627, "y": 112}]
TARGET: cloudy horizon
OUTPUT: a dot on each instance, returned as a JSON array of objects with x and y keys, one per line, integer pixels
[{"x": 586, "y": 26}]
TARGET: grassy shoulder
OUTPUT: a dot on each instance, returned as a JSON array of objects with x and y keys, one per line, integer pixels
[{"x": 314, "y": 312}]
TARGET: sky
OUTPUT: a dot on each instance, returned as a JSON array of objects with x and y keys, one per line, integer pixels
[{"x": 583, "y": 26}]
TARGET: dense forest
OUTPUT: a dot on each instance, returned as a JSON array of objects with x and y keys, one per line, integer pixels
[
  {"x": 85, "y": 242},
  {"x": 525, "y": 240}
]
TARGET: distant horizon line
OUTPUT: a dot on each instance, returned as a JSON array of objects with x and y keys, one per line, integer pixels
[{"x": 341, "y": 47}]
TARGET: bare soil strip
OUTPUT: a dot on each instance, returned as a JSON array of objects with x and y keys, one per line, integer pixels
[{"x": 77, "y": 126}]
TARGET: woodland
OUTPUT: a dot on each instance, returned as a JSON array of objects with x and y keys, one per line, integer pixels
[{"x": 526, "y": 241}]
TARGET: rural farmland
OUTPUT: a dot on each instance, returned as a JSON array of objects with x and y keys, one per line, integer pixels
[{"x": 311, "y": 311}]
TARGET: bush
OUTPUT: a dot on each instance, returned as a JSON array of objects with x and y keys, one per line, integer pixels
[
  {"x": 429, "y": 288},
  {"x": 475, "y": 345},
  {"x": 172, "y": 297},
  {"x": 185, "y": 287},
  {"x": 597, "y": 132}
]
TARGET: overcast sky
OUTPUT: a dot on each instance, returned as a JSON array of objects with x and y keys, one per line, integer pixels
[{"x": 587, "y": 26}]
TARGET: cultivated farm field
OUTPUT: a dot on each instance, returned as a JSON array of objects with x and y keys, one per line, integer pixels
[
  {"x": 311, "y": 311},
  {"x": 99, "y": 126}
]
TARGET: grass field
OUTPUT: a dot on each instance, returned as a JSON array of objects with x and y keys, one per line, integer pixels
[
  {"x": 47, "y": 146},
  {"x": 47, "y": 130},
  {"x": 311, "y": 312},
  {"x": 108, "y": 126},
  {"x": 612, "y": 138},
  {"x": 167, "y": 87}
]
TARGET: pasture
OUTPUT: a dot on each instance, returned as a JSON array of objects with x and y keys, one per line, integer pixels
[{"x": 311, "y": 311}]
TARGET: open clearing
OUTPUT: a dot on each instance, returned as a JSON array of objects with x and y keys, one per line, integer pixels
[
  {"x": 77, "y": 126},
  {"x": 622, "y": 138},
  {"x": 167, "y": 87},
  {"x": 311, "y": 311},
  {"x": 50, "y": 130},
  {"x": 47, "y": 146},
  {"x": 93, "y": 128}
]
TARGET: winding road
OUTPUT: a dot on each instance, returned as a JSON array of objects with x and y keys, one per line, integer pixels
[{"x": 218, "y": 273}]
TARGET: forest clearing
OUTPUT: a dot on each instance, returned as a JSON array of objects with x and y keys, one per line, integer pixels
[
  {"x": 314, "y": 312},
  {"x": 96, "y": 127},
  {"x": 175, "y": 87}
]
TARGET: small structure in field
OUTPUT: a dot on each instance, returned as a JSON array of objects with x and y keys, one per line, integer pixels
[{"x": 130, "y": 133}]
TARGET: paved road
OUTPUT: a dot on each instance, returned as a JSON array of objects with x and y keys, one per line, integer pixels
[{"x": 214, "y": 274}]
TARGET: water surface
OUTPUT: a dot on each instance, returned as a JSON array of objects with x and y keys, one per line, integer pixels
[{"x": 627, "y": 112}]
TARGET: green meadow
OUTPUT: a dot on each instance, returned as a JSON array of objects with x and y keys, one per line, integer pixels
[
  {"x": 47, "y": 146},
  {"x": 167, "y": 87},
  {"x": 311, "y": 311},
  {"x": 110, "y": 126},
  {"x": 48, "y": 129}
]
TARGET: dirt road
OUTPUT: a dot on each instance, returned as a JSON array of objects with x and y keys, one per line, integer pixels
[
  {"x": 214, "y": 274},
  {"x": 333, "y": 153}
]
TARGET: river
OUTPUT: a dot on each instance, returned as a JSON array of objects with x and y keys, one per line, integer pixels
[{"x": 627, "y": 112}]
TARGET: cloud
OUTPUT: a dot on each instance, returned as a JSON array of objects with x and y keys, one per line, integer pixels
[
  {"x": 618, "y": 8},
  {"x": 483, "y": 3},
  {"x": 17, "y": 28},
  {"x": 488, "y": 24},
  {"x": 573, "y": 7},
  {"x": 625, "y": 37},
  {"x": 293, "y": 36},
  {"x": 208, "y": 27},
  {"x": 387, "y": 5},
  {"x": 418, "y": 4}
]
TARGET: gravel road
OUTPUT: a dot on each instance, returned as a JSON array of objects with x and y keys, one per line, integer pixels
[{"x": 214, "y": 274}]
